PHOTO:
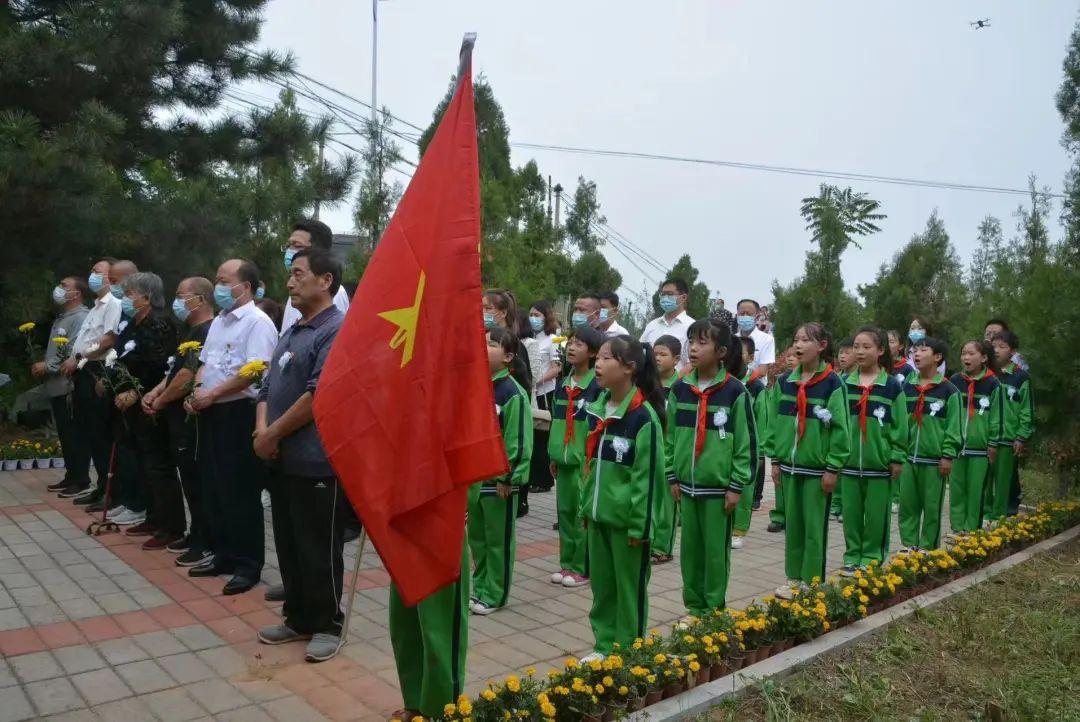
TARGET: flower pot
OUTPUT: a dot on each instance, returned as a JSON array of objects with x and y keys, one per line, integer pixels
[
  {"x": 653, "y": 697},
  {"x": 25, "y": 464},
  {"x": 789, "y": 643},
  {"x": 595, "y": 716},
  {"x": 736, "y": 661},
  {"x": 767, "y": 651},
  {"x": 43, "y": 463},
  {"x": 10, "y": 464},
  {"x": 614, "y": 711},
  {"x": 718, "y": 671},
  {"x": 635, "y": 703},
  {"x": 58, "y": 462},
  {"x": 675, "y": 688}
]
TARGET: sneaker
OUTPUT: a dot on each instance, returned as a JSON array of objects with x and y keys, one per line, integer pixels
[
  {"x": 774, "y": 526},
  {"x": 756, "y": 506},
  {"x": 88, "y": 497},
  {"x": 322, "y": 647},
  {"x": 737, "y": 542},
  {"x": 787, "y": 591},
  {"x": 280, "y": 634},
  {"x": 848, "y": 570},
  {"x": 482, "y": 608},
  {"x": 572, "y": 581},
  {"x": 71, "y": 491},
  {"x": 266, "y": 499},
  {"x": 115, "y": 511},
  {"x": 130, "y": 518},
  {"x": 157, "y": 543},
  {"x": 558, "y": 576},
  {"x": 179, "y": 546},
  {"x": 590, "y": 658},
  {"x": 59, "y": 485},
  {"x": 195, "y": 557}
]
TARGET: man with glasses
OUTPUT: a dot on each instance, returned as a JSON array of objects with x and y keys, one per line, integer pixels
[{"x": 309, "y": 234}]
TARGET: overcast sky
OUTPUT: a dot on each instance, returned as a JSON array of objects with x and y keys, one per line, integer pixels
[{"x": 899, "y": 89}]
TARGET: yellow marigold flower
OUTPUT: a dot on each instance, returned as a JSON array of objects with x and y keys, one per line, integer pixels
[
  {"x": 27, "y": 327},
  {"x": 188, "y": 346},
  {"x": 651, "y": 678},
  {"x": 608, "y": 681},
  {"x": 449, "y": 710},
  {"x": 624, "y": 690},
  {"x": 694, "y": 666},
  {"x": 599, "y": 689},
  {"x": 253, "y": 370},
  {"x": 548, "y": 710},
  {"x": 570, "y": 663},
  {"x": 558, "y": 340},
  {"x": 488, "y": 694},
  {"x": 60, "y": 340},
  {"x": 863, "y": 583},
  {"x": 464, "y": 705},
  {"x": 864, "y": 599},
  {"x": 530, "y": 671},
  {"x": 660, "y": 658},
  {"x": 513, "y": 684}
]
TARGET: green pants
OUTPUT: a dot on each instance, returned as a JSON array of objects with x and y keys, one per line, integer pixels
[
  {"x": 619, "y": 576},
  {"x": 867, "y": 518},
  {"x": 967, "y": 488},
  {"x": 493, "y": 545},
  {"x": 745, "y": 509},
  {"x": 806, "y": 511},
  {"x": 705, "y": 552},
  {"x": 922, "y": 493},
  {"x": 1003, "y": 472},
  {"x": 571, "y": 531},
  {"x": 777, "y": 513},
  {"x": 665, "y": 518},
  {"x": 430, "y": 641},
  {"x": 837, "y": 505}
]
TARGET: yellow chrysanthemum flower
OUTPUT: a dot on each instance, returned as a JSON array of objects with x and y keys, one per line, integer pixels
[
  {"x": 27, "y": 327},
  {"x": 61, "y": 340},
  {"x": 253, "y": 370},
  {"x": 449, "y": 710}
]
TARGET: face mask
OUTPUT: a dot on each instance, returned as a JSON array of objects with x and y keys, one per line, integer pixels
[
  {"x": 260, "y": 293},
  {"x": 916, "y": 335},
  {"x": 127, "y": 307},
  {"x": 669, "y": 303},
  {"x": 489, "y": 320},
  {"x": 604, "y": 315},
  {"x": 180, "y": 309},
  {"x": 289, "y": 254},
  {"x": 117, "y": 292},
  {"x": 579, "y": 319},
  {"x": 59, "y": 295},
  {"x": 95, "y": 282},
  {"x": 223, "y": 297},
  {"x": 537, "y": 323},
  {"x": 746, "y": 323}
]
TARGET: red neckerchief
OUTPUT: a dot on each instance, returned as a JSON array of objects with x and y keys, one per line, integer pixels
[
  {"x": 800, "y": 398},
  {"x": 899, "y": 364},
  {"x": 594, "y": 436},
  {"x": 971, "y": 381},
  {"x": 702, "y": 412},
  {"x": 754, "y": 376},
  {"x": 922, "y": 398},
  {"x": 864, "y": 401},
  {"x": 572, "y": 392}
]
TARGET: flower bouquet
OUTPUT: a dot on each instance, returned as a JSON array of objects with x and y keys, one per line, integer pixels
[
  {"x": 27, "y": 329},
  {"x": 253, "y": 371}
]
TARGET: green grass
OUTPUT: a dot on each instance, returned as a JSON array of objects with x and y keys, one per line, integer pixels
[{"x": 1008, "y": 649}]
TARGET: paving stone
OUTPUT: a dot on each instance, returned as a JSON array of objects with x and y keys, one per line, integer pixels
[
  {"x": 117, "y": 603},
  {"x": 101, "y": 686},
  {"x": 15, "y": 705},
  {"x": 37, "y": 614},
  {"x": 130, "y": 709},
  {"x": 226, "y": 661},
  {"x": 52, "y": 696},
  {"x": 217, "y": 695},
  {"x": 197, "y": 636},
  {"x": 7, "y": 677},
  {"x": 173, "y": 705},
  {"x": 250, "y": 713},
  {"x": 186, "y": 668},
  {"x": 35, "y": 667},
  {"x": 79, "y": 658},
  {"x": 159, "y": 644},
  {"x": 122, "y": 651},
  {"x": 11, "y": 619},
  {"x": 145, "y": 676},
  {"x": 82, "y": 608},
  {"x": 293, "y": 709},
  {"x": 147, "y": 598},
  {"x": 79, "y": 715}
]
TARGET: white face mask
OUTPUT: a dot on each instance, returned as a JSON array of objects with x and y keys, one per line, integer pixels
[{"x": 59, "y": 295}]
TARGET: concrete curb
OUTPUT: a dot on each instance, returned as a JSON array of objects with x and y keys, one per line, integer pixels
[{"x": 700, "y": 699}]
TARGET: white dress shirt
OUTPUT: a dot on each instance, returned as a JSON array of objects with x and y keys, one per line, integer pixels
[
  {"x": 545, "y": 351},
  {"x": 677, "y": 327},
  {"x": 236, "y": 337},
  {"x": 615, "y": 330},
  {"x": 291, "y": 315},
  {"x": 104, "y": 317},
  {"x": 764, "y": 347}
]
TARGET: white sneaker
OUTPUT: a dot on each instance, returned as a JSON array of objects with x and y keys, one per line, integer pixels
[
  {"x": 482, "y": 608},
  {"x": 116, "y": 511},
  {"x": 848, "y": 570},
  {"x": 266, "y": 499},
  {"x": 130, "y": 517},
  {"x": 590, "y": 658},
  {"x": 572, "y": 581},
  {"x": 737, "y": 542},
  {"x": 558, "y": 576},
  {"x": 785, "y": 591}
]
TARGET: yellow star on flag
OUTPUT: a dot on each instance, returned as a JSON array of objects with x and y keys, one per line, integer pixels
[{"x": 405, "y": 319}]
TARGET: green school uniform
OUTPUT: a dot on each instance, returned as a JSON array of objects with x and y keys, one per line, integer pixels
[
  {"x": 879, "y": 429},
  {"x": 933, "y": 434},
  {"x": 1018, "y": 425},
  {"x": 623, "y": 474},
  {"x": 981, "y": 416},
  {"x": 823, "y": 445},
  {"x": 492, "y": 541},
  {"x": 667, "y": 509},
  {"x": 566, "y": 448},
  {"x": 721, "y": 414},
  {"x": 755, "y": 386}
]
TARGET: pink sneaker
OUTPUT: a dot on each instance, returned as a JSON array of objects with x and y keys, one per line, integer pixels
[
  {"x": 571, "y": 580},
  {"x": 558, "y": 576}
]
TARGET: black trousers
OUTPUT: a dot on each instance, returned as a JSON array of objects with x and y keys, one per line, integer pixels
[
  {"x": 129, "y": 486},
  {"x": 182, "y": 441},
  {"x": 309, "y": 517},
  {"x": 157, "y": 478},
  {"x": 76, "y": 453},
  {"x": 232, "y": 481},
  {"x": 540, "y": 466},
  {"x": 759, "y": 485},
  {"x": 92, "y": 431}
]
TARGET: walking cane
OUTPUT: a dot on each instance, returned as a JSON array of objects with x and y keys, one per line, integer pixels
[
  {"x": 352, "y": 589},
  {"x": 97, "y": 528}
]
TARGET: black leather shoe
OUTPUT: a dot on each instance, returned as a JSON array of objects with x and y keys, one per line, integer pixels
[
  {"x": 208, "y": 570},
  {"x": 57, "y": 486},
  {"x": 275, "y": 593},
  {"x": 94, "y": 499},
  {"x": 774, "y": 526},
  {"x": 237, "y": 585}
]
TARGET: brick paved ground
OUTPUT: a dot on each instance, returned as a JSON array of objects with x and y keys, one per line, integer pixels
[{"x": 95, "y": 628}]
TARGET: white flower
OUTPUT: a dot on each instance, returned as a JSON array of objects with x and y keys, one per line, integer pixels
[
  {"x": 60, "y": 332},
  {"x": 170, "y": 363},
  {"x": 128, "y": 348},
  {"x": 1011, "y": 390},
  {"x": 720, "y": 418},
  {"x": 879, "y": 414},
  {"x": 823, "y": 414},
  {"x": 121, "y": 327},
  {"x": 284, "y": 359},
  {"x": 110, "y": 358},
  {"x": 935, "y": 406},
  {"x": 900, "y": 378},
  {"x": 984, "y": 404}
]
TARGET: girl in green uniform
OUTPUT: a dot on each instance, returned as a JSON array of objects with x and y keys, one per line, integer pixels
[
  {"x": 879, "y": 427},
  {"x": 845, "y": 362},
  {"x": 566, "y": 450},
  {"x": 1018, "y": 424},
  {"x": 668, "y": 351},
  {"x": 624, "y": 471},
  {"x": 754, "y": 381},
  {"x": 711, "y": 452},
  {"x": 980, "y": 427}
]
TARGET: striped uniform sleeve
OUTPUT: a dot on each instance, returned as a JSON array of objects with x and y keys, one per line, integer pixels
[
  {"x": 646, "y": 479},
  {"x": 898, "y": 429},
  {"x": 952, "y": 437},
  {"x": 996, "y": 427},
  {"x": 744, "y": 446},
  {"x": 1026, "y": 412},
  {"x": 669, "y": 438},
  {"x": 839, "y": 430},
  {"x": 517, "y": 436}
]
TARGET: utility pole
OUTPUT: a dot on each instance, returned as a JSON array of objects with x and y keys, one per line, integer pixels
[
  {"x": 319, "y": 190},
  {"x": 549, "y": 199},
  {"x": 558, "y": 202},
  {"x": 375, "y": 153}
]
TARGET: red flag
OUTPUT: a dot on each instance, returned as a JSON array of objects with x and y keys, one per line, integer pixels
[{"x": 404, "y": 405}]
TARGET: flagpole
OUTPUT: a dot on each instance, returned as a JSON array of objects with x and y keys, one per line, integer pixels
[{"x": 352, "y": 586}]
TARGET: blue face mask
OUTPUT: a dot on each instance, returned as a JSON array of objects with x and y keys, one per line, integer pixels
[
  {"x": 290, "y": 253},
  {"x": 579, "y": 319},
  {"x": 916, "y": 335},
  {"x": 223, "y": 297},
  {"x": 127, "y": 307},
  {"x": 537, "y": 323},
  {"x": 604, "y": 313},
  {"x": 96, "y": 281},
  {"x": 260, "y": 293},
  {"x": 117, "y": 292},
  {"x": 180, "y": 309},
  {"x": 746, "y": 323},
  {"x": 669, "y": 303},
  {"x": 489, "y": 320}
]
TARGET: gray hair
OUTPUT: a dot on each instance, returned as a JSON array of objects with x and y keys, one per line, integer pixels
[{"x": 149, "y": 285}]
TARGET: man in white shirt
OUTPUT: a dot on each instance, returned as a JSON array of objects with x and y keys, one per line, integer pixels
[
  {"x": 675, "y": 322},
  {"x": 232, "y": 476},
  {"x": 764, "y": 345},
  {"x": 307, "y": 234},
  {"x": 609, "y": 314}
]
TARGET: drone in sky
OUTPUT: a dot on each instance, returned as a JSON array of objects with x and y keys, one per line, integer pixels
[{"x": 980, "y": 24}]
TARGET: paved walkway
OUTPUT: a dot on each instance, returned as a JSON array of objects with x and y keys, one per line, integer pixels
[{"x": 95, "y": 628}]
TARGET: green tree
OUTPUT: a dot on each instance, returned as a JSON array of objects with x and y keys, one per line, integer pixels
[
  {"x": 982, "y": 270},
  {"x": 582, "y": 216},
  {"x": 377, "y": 195},
  {"x": 697, "y": 302}
]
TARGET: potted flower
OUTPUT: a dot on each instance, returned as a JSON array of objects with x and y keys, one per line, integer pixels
[
  {"x": 639, "y": 660},
  {"x": 8, "y": 461},
  {"x": 42, "y": 455},
  {"x": 57, "y": 456},
  {"x": 25, "y": 454}
]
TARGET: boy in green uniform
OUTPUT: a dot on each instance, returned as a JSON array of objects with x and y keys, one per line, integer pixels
[
  {"x": 772, "y": 398},
  {"x": 711, "y": 452},
  {"x": 933, "y": 444},
  {"x": 980, "y": 428},
  {"x": 879, "y": 427},
  {"x": 845, "y": 362},
  {"x": 1018, "y": 424},
  {"x": 566, "y": 449},
  {"x": 809, "y": 439},
  {"x": 668, "y": 351},
  {"x": 755, "y": 386},
  {"x": 492, "y": 504}
]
